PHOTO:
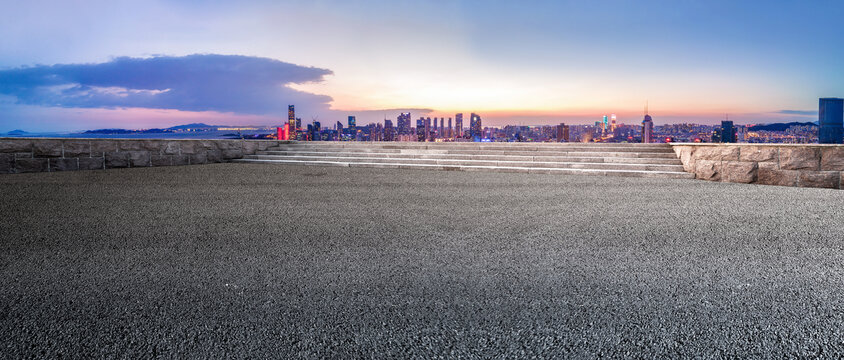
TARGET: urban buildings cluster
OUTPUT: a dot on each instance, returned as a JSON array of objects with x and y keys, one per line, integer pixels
[{"x": 608, "y": 129}]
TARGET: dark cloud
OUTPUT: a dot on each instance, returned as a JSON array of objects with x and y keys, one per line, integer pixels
[
  {"x": 224, "y": 83},
  {"x": 798, "y": 112}
]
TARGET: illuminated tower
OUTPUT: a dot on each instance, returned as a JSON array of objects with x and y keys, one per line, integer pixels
[
  {"x": 647, "y": 127},
  {"x": 562, "y": 133},
  {"x": 403, "y": 124},
  {"x": 291, "y": 117},
  {"x": 420, "y": 129},
  {"x": 605, "y": 123},
  {"x": 475, "y": 128},
  {"x": 612, "y": 123},
  {"x": 458, "y": 124},
  {"x": 831, "y": 121}
]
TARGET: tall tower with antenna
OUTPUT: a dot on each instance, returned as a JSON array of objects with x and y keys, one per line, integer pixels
[{"x": 647, "y": 127}]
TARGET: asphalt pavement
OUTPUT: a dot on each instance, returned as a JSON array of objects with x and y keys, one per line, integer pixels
[{"x": 282, "y": 261}]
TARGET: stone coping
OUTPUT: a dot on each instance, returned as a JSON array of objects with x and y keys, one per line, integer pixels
[{"x": 756, "y": 144}]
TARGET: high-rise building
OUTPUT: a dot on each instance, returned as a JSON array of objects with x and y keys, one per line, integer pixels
[
  {"x": 450, "y": 133},
  {"x": 353, "y": 129},
  {"x": 428, "y": 132},
  {"x": 339, "y": 131},
  {"x": 388, "y": 130},
  {"x": 291, "y": 117},
  {"x": 605, "y": 124},
  {"x": 403, "y": 124},
  {"x": 728, "y": 132},
  {"x": 612, "y": 123},
  {"x": 442, "y": 128},
  {"x": 475, "y": 127},
  {"x": 458, "y": 124},
  {"x": 562, "y": 133},
  {"x": 420, "y": 130},
  {"x": 831, "y": 121},
  {"x": 647, "y": 128}
]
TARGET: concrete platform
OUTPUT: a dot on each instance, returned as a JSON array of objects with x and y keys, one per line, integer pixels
[{"x": 256, "y": 261}]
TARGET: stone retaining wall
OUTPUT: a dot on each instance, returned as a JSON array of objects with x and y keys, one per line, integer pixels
[
  {"x": 771, "y": 164},
  {"x": 19, "y": 155}
]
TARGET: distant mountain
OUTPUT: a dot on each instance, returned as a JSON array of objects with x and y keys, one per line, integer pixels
[
  {"x": 195, "y": 126},
  {"x": 779, "y": 126},
  {"x": 17, "y": 132}
]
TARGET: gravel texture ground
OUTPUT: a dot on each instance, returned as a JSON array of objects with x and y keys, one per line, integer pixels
[{"x": 280, "y": 261}]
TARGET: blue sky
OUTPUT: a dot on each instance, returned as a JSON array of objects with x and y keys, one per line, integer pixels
[{"x": 513, "y": 62}]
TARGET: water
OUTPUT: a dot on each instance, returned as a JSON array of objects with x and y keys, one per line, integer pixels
[{"x": 249, "y": 134}]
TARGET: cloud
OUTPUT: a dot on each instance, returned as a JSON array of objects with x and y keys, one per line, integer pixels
[
  {"x": 798, "y": 112},
  {"x": 222, "y": 83}
]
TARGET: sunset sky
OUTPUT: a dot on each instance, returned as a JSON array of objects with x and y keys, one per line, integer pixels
[{"x": 74, "y": 65}]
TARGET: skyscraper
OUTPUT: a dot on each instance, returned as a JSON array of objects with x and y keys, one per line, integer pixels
[
  {"x": 291, "y": 117},
  {"x": 403, "y": 124},
  {"x": 605, "y": 125},
  {"x": 728, "y": 132},
  {"x": 428, "y": 132},
  {"x": 388, "y": 130},
  {"x": 647, "y": 128},
  {"x": 831, "y": 121},
  {"x": 442, "y": 128},
  {"x": 458, "y": 125},
  {"x": 339, "y": 131},
  {"x": 450, "y": 133},
  {"x": 612, "y": 123},
  {"x": 420, "y": 130},
  {"x": 475, "y": 128},
  {"x": 562, "y": 133}
]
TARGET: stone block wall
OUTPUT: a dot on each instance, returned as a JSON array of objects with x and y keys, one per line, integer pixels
[
  {"x": 19, "y": 155},
  {"x": 770, "y": 164}
]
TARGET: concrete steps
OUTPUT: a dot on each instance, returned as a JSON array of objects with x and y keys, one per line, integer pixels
[{"x": 634, "y": 160}]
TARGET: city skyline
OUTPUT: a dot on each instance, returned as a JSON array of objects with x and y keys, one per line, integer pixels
[{"x": 546, "y": 63}]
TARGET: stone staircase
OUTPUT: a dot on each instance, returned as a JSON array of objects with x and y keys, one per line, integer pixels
[{"x": 607, "y": 159}]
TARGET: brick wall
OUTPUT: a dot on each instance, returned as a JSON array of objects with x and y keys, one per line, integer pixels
[
  {"x": 19, "y": 155},
  {"x": 770, "y": 164}
]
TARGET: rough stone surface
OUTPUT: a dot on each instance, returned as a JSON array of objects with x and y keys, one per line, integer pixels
[
  {"x": 172, "y": 147},
  {"x": 717, "y": 152},
  {"x": 162, "y": 160},
  {"x": 758, "y": 153},
  {"x": 30, "y": 165},
  {"x": 47, "y": 148},
  {"x": 181, "y": 159},
  {"x": 708, "y": 170},
  {"x": 139, "y": 158},
  {"x": 231, "y": 261},
  {"x": 64, "y": 164},
  {"x": 100, "y": 147},
  {"x": 777, "y": 177},
  {"x": 798, "y": 158},
  {"x": 117, "y": 160},
  {"x": 23, "y": 155},
  {"x": 232, "y": 154},
  {"x": 819, "y": 179},
  {"x": 686, "y": 155},
  {"x": 15, "y": 146},
  {"x": 191, "y": 147},
  {"x": 131, "y": 145},
  {"x": 91, "y": 163},
  {"x": 832, "y": 158},
  {"x": 199, "y": 158},
  {"x": 250, "y": 147},
  {"x": 214, "y": 156},
  {"x": 739, "y": 171},
  {"x": 7, "y": 163},
  {"x": 77, "y": 148}
]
